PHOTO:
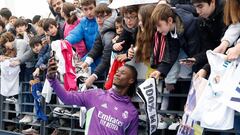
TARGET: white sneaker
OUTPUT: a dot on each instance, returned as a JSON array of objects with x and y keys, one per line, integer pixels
[
  {"x": 58, "y": 110},
  {"x": 83, "y": 74},
  {"x": 55, "y": 132},
  {"x": 77, "y": 114},
  {"x": 11, "y": 100},
  {"x": 30, "y": 131},
  {"x": 162, "y": 125},
  {"x": 142, "y": 117},
  {"x": 67, "y": 112},
  {"x": 174, "y": 126},
  {"x": 26, "y": 119}
]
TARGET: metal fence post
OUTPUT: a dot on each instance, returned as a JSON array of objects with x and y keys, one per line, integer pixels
[{"x": 1, "y": 113}]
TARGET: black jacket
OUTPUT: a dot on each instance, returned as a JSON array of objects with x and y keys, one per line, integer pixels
[
  {"x": 129, "y": 36},
  {"x": 170, "y": 55},
  {"x": 103, "y": 46},
  {"x": 59, "y": 35},
  {"x": 176, "y": 2},
  {"x": 188, "y": 39},
  {"x": 212, "y": 30}
]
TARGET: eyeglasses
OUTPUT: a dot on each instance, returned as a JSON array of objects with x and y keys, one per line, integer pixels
[
  {"x": 101, "y": 16},
  {"x": 131, "y": 18}
]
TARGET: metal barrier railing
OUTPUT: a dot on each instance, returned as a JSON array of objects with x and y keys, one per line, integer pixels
[{"x": 72, "y": 129}]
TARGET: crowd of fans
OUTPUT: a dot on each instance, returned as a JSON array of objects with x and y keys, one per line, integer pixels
[{"x": 87, "y": 41}]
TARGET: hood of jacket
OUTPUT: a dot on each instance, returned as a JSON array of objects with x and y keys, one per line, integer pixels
[
  {"x": 108, "y": 24},
  {"x": 184, "y": 19}
]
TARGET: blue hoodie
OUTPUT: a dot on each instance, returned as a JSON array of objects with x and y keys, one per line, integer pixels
[{"x": 86, "y": 30}]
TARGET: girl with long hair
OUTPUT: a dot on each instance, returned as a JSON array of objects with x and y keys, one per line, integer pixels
[{"x": 69, "y": 13}]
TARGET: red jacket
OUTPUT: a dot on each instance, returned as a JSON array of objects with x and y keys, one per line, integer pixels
[{"x": 70, "y": 82}]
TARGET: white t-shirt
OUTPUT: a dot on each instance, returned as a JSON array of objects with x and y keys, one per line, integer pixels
[
  {"x": 211, "y": 113},
  {"x": 9, "y": 79}
]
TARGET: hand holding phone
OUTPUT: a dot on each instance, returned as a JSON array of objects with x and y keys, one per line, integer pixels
[
  {"x": 52, "y": 66},
  {"x": 130, "y": 53},
  {"x": 52, "y": 55}
]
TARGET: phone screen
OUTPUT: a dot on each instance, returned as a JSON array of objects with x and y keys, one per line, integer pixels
[{"x": 186, "y": 60}]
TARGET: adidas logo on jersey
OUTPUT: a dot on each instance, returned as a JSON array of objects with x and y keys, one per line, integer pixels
[{"x": 104, "y": 105}]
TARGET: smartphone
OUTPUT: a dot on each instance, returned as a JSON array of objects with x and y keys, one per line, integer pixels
[
  {"x": 187, "y": 60},
  {"x": 52, "y": 58},
  {"x": 53, "y": 55}
]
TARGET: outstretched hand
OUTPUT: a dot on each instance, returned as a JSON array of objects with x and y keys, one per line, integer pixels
[
  {"x": 14, "y": 63},
  {"x": 202, "y": 73},
  {"x": 52, "y": 69},
  {"x": 155, "y": 74},
  {"x": 118, "y": 46},
  {"x": 89, "y": 81},
  {"x": 233, "y": 53},
  {"x": 131, "y": 52},
  {"x": 84, "y": 65}
]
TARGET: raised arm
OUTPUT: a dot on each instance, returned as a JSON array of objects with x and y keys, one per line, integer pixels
[{"x": 70, "y": 98}]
